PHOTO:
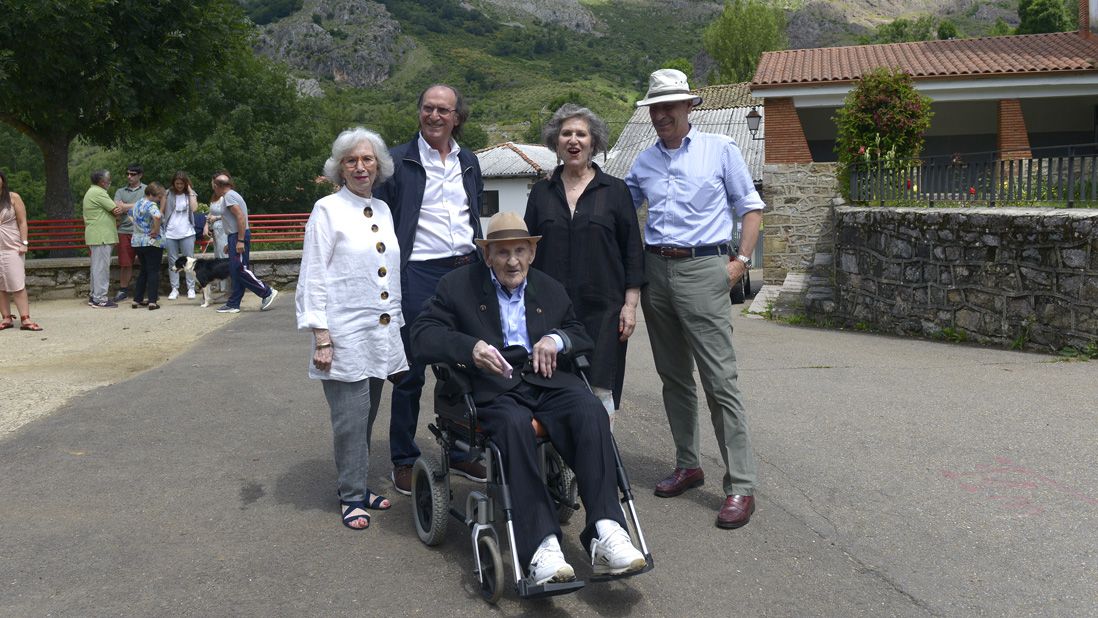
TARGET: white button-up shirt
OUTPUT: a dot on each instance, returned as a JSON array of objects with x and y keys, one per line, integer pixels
[
  {"x": 349, "y": 284},
  {"x": 445, "y": 228}
]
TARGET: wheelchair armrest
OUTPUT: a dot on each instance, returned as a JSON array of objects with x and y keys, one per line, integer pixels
[
  {"x": 455, "y": 383},
  {"x": 581, "y": 363}
]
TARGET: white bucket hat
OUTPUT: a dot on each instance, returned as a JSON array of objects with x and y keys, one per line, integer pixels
[{"x": 666, "y": 86}]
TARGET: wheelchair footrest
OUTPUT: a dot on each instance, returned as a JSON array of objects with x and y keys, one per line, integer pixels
[
  {"x": 648, "y": 566},
  {"x": 529, "y": 590}
]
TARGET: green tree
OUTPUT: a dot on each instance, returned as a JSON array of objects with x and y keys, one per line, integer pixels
[
  {"x": 882, "y": 118},
  {"x": 102, "y": 70},
  {"x": 903, "y": 31},
  {"x": 1000, "y": 28},
  {"x": 1037, "y": 16},
  {"x": 740, "y": 34},
  {"x": 948, "y": 30},
  {"x": 682, "y": 64},
  {"x": 251, "y": 122}
]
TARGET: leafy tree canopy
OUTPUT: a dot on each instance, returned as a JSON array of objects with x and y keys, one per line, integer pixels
[
  {"x": 1037, "y": 16},
  {"x": 738, "y": 37},
  {"x": 105, "y": 69},
  {"x": 904, "y": 31},
  {"x": 252, "y": 123}
]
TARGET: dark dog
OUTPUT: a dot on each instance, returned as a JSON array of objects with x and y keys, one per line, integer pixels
[{"x": 205, "y": 273}]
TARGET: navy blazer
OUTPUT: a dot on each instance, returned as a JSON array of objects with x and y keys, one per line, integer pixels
[
  {"x": 404, "y": 192},
  {"x": 465, "y": 310}
]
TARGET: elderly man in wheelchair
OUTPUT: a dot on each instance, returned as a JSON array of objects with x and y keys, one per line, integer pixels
[{"x": 513, "y": 332}]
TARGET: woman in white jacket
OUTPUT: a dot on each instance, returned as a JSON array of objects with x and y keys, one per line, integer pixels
[{"x": 348, "y": 295}]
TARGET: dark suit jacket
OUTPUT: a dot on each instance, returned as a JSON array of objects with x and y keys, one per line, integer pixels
[
  {"x": 404, "y": 192},
  {"x": 465, "y": 310}
]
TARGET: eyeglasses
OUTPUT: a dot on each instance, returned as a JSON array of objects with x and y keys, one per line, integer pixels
[
  {"x": 443, "y": 112},
  {"x": 133, "y": 173},
  {"x": 352, "y": 162}
]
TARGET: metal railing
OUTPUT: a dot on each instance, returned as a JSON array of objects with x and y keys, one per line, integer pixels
[{"x": 1062, "y": 176}]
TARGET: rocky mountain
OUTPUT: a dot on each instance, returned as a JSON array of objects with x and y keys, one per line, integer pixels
[
  {"x": 352, "y": 42},
  {"x": 363, "y": 42}
]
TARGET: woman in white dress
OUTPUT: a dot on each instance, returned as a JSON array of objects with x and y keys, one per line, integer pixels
[{"x": 348, "y": 295}]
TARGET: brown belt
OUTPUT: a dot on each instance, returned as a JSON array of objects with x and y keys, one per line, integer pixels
[{"x": 687, "y": 252}]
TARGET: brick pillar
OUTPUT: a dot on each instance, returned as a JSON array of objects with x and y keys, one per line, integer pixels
[
  {"x": 785, "y": 141},
  {"x": 1013, "y": 141}
]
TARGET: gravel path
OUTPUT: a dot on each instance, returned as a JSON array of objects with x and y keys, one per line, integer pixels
[{"x": 83, "y": 348}]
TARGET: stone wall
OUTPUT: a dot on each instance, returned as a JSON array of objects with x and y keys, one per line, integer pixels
[
  {"x": 1006, "y": 276},
  {"x": 797, "y": 218},
  {"x": 68, "y": 277}
]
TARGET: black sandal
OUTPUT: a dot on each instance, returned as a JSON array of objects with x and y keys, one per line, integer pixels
[
  {"x": 347, "y": 508},
  {"x": 375, "y": 504}
]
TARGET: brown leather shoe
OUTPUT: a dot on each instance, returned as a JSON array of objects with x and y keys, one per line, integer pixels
[
  {"x": 402, "y": 479},
  {"x": 736, "y": 511},
  {"x": 472, "y": 470},
  {"x": 679, "y": 481}
]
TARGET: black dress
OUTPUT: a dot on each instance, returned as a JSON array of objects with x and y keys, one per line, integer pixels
[{"x": 596, "y": 254}]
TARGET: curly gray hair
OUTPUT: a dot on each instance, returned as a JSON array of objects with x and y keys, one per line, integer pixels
[
  {"x": 600, "y": 133},
  {"x": 348, "y": 141}
]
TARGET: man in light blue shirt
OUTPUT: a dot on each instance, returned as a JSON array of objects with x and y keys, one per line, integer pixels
[{"x": 693, "y": 182}]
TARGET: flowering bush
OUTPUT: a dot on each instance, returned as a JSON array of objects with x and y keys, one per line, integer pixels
[{"x": 883, "y": 120}]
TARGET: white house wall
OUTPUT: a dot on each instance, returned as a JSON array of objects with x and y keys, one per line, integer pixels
[{"x": 513, "y": 193}]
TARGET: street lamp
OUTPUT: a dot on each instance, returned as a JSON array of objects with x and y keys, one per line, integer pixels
[{"x": 754, "y": 118}]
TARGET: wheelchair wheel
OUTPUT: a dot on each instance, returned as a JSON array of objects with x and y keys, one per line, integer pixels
[
  {"x": 491, "y": 569},
  {"x": 430, "y": 500},
  {"x": 562, "y": 484}
]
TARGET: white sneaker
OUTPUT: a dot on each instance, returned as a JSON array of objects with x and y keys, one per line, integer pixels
[
  {"x": 174, "y": 294},
  {"x": 190, "y": 293},
  {"x": 266, "y": 303},
  {"x": 549, "y": 565},
  {"x": 612, "y": 553}
]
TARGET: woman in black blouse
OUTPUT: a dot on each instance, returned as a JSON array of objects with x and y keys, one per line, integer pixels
[{"x": 590, "y": 242}]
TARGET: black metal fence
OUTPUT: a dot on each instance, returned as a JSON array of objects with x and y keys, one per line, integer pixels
[{"x": 1061, "y": 176}]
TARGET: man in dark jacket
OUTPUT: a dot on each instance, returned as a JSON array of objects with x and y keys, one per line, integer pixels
[
  {"x": 434, "y": 195},
  {"x": 478, "y": 317}
]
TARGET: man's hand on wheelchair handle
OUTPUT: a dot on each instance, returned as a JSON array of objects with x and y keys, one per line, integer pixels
[
  {"x": 545, "y": 356},
  {"x": 487, "y": 358}
]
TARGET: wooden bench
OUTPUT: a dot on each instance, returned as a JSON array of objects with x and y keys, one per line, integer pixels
[{"x": 68, "y": 234}]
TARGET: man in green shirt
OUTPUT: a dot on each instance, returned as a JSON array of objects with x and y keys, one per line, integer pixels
[
  {"x": 100, "y": 234},
  {"x": 125, "y": 198}
]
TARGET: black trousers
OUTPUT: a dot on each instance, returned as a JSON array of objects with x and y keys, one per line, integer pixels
[
  {"x": 579, "y": 428},
  {"x": 147, "y": 287}
]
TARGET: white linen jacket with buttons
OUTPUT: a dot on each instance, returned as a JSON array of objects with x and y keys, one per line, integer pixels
[{"x": 349, "y": 283}]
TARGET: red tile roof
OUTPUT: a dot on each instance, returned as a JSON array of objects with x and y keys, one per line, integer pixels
[{"x": 984, "y": 57}]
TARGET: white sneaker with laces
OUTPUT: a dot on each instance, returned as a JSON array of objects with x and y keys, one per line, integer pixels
[
  {"x": 174, "y": 294},
  {"x": 190, "y": 293},
  {"x": 612, "y": 552},
  {"x": 266, "y": 303},
  {"x": 549, "y": 565}
]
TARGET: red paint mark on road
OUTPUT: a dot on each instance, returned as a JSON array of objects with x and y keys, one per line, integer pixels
[{"x": 1013, "y": 486}]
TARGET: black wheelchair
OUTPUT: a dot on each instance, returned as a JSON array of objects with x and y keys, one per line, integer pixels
[{"x": 456, "y": 429}]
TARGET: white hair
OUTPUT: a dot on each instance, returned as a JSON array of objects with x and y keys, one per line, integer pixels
[{"x": 348, "y": 141}]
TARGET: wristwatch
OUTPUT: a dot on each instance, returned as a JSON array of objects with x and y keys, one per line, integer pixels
[
  {"x": 26, "y": 243},
  {"x": 746, "y": 260}
]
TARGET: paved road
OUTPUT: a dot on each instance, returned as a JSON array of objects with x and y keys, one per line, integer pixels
[{"x": 899, "y": 477}]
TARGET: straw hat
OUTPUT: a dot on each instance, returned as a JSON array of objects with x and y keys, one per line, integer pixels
[
  {"x": 505, "y": 226},
  {"x": 666, "y": 86}
]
